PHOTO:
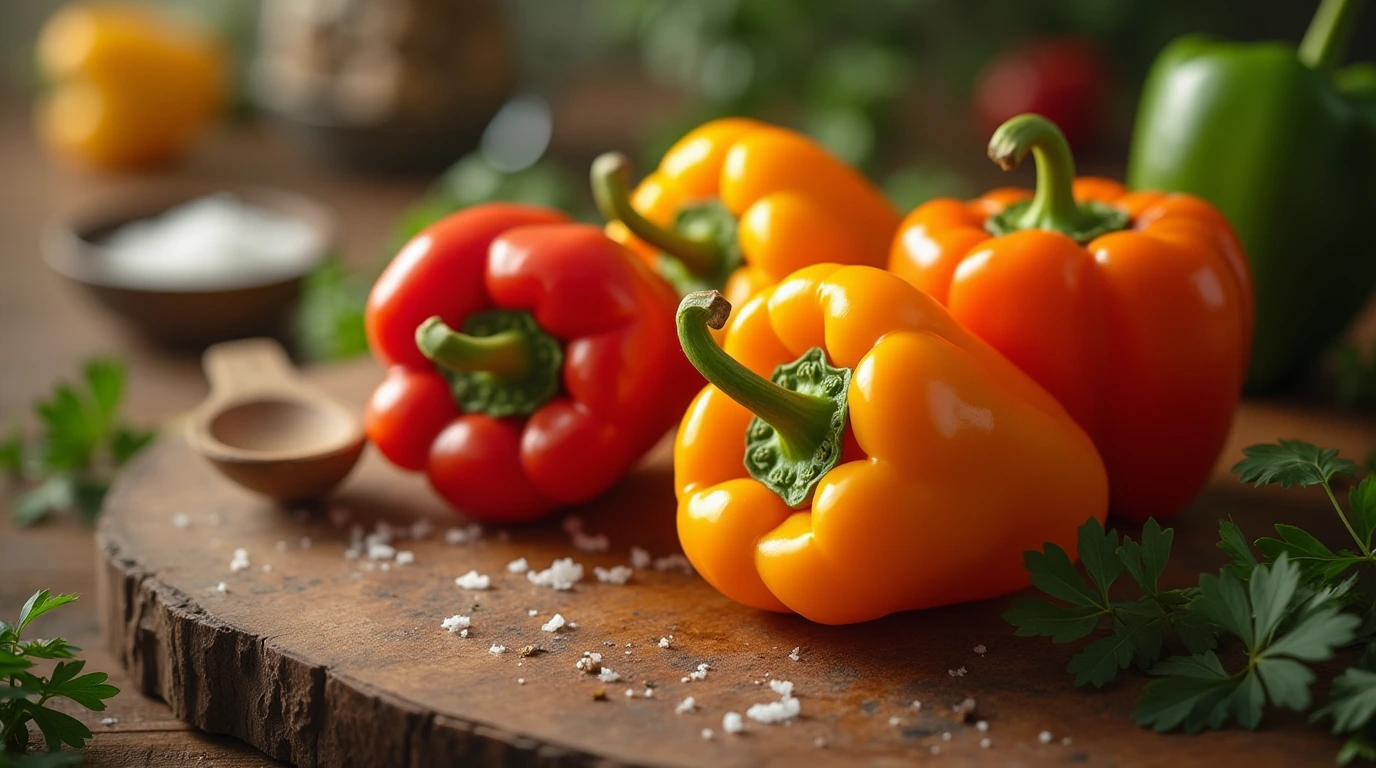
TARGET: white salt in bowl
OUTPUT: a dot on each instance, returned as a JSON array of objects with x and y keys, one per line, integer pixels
[{"x": 220, "y": 289}]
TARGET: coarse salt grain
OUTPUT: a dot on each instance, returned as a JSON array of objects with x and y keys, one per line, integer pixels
[
  {"x": 221, "y": 588},
  {"x": 982, "y": 726},
  {"x": 240, "y": 561},
  {"x": 985, "y": 742},
  {"x": 663, "y": 642},
  {"x": 793, "y": 654},
  {"x": 532, "y": 612},
  {"x": 466, "y": 535},
  {"x": 607, "y": 675},
  {"x": 1065, "y": 742},
  {"x": 181, "y": 520},
  {"x": 455, "y": 623},
  {"x": 497, "y": 650},
  {"x": 707, "y": 734},
  {"x": 981, "y": 650},
  {"x": 649, "y": 693},
  {"x": 560, "y": 575},
  {"x": 556, "y": 621},
  {"x": 687, "y": 705},
  {"x": 630, "y": 693},
  {"x": 590, "y": 543},
  {"x": 700, "y": 673},
  {"x": 618, "y": 574},
  {"x": 894, "y": 721},
  {"x": 463, "y": 633},
  {"x": 380, "y": 550},
  {"x": 406, "y": 557},
  {"x": 674, "y": 562},
  {"x": 917, "y": 705},
  {"x": 732, "y": 723},
  {"x": 775, "y": 711},
  {"x": 1045, "y": 737},
  {"x": 956, "y": 672},
  {"x": 640, "y": 558},
  {"x": 281, "y": 545},
  {"x": 946, "y": 736},
  {"x": 473, "y": 580},
  {"x": 519, "y": 565},
  {"x": 109, "y": 720},
  {"x": 520, "y": 681},
  {"x": 936, "y": 749},
  {"x": 422, "y": 528},
  {"x": 782, "y": 687}
]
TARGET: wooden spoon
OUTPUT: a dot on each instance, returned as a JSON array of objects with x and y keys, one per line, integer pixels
[{"x": 268, "y": 430}]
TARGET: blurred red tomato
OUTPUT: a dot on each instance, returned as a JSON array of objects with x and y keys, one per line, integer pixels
[{"x": 1062, "y": 79}]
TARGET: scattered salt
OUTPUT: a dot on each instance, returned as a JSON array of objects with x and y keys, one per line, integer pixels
[
  {"x": 379, "y": 550},
  {"x": 782, "y": 687},
  {"x": 674, "y": 562},
  {"x": 455, "y": 623},
  {"x": 819, "y": 742},
  {"x": 281, "y": 545},
  {"x": 732, "y": 723},
  {"x": 607, "y": 675},
  {"x": 406, "y": 557},
  {"x": 618, "y": 574},
  {"x": 936, "y": 749},
  {"x": 786, "y": 708},
  {"x": 1045, "y": 737},
  {"x": 649, "y": 693},
  {"x": 663, "y": 642},
  {"x": 518, "y": 565},
  {"x": 240, "y": 561},
  {"x": 956, "y": 672},
  {"x": 700, "y": 673},
  {"x": 985, "y": 742},
  {"x": 981, "y": 650},
  {"x": 181, "y": 520},
  {"x": 707, "y": 734},
  {"x": 946, "y": 736},
  {"x": 793, "y": 654},
  {"x": 221, "y": 588},
  {"x": 630, "y": 693},
  {"x": 520, "y": 681},
  {"x": 1065, "y": 742},
  {"x": 422, "y": 528},
  {"x": 917, "y": 705},
  {"x": 497, "y": 650},
  {"x": 982, "y": 726},
  {"x": 640, "y": 559},
  {"x": 560, "y": 575},
  {"x": 465, "y": 535},
  {"x": 532, "y": 612},
  {"x": 109, "y": 720},
  {"x": 556, "y": 621},
  {"x": 687, "y": 705},
  {"x": 473, "y": 580},
  {"x": 895, "y": 721}
]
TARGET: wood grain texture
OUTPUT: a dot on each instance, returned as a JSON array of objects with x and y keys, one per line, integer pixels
[{"x": 330, "y": 661}]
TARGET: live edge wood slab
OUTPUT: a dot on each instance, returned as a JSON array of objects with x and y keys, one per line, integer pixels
[{"x": 322, "y": 661}]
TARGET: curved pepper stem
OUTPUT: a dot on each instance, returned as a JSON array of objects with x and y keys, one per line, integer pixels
[
  {"x": 505, "y": 355},
  {"x": 611, "y": 188},
  {"x": 796, "y": 436},
  {"x": 1053, "y": 206},
  {"x": 1328, "y": 34}
]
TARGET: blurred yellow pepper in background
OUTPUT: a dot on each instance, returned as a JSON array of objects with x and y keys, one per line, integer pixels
[{"x": 131, "y": 86}]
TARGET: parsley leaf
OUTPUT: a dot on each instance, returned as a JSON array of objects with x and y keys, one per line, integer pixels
[
  {"x": 12, "y": 453},
  {"x": 1061, "y": 624},
  {"x": 1098, "y": 552},
  {"x": 1362, "y": 501},
  {"x": 1318, "y": 562},
  {"x": 1053, "y": 573},
  {"x": 1235, "y": 545},
  {"x": 39, "y": 604},
  {"x": 1146, "y": 561},
  {"x": 1291, "y": 462},
  {"x": 1352, "y": 702}
]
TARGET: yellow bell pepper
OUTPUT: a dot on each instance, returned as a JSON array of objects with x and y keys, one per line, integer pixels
[
  {"x": 894, "y": 462},
  {"x": 131, "y": 85},
  {"x": 738, "y": 204}
]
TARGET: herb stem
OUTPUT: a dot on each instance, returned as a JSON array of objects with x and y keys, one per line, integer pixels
[{"x": 1328, "y": 489}]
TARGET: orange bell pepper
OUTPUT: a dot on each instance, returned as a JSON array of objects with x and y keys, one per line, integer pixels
[
  {"x": 738, "y": 204},
  {"x": 894, "y": 462},
  {"x": 1133, "y": 309}
]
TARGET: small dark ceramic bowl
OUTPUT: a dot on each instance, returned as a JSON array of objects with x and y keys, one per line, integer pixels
[{"x": 73, "y": 244}]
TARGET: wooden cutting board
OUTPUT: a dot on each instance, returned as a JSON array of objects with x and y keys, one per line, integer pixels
[{"x": 324, "y": 660}]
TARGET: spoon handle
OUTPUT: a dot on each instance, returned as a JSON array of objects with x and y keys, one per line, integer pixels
[{"x": 248, "y": 365}]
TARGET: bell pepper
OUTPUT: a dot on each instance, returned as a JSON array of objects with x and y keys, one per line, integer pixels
[
  {"x": 564, "y": 372},
  {"x": 131, "y": 85},
  {"x": 1285, "y": 147},
  {"x": 738, "y": 204},
  {"x": 891, "y": 461},
  {"x": 1134, "y": 310}
]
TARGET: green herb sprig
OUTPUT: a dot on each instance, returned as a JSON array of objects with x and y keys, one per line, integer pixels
[
  {"x": 1278, "y": 610},
  {"x": 26, "y": 697},
  {"x": 82, "y": 440}
]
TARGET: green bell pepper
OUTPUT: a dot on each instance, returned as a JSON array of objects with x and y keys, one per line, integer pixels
[{"x": 1286, "y": 148}]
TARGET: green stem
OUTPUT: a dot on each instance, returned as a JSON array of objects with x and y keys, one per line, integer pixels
[
  {"x": 1326, "y": 39},
  {"x": 505, "y": 354},
  {"x": 611, "y": 188},
  {"x": 803, "y": 422},
  {"x": 1053, "y": 206},
  {"x": 1328, "y": 489}
]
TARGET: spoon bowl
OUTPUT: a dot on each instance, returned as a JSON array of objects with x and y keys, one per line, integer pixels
[{"x": 268, "y": 430}]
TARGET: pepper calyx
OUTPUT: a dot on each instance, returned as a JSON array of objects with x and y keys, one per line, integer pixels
[
  {"x": 800, "y": 413},
  {"x": 502, "y": 364},
  {"x": 1053, "y": 206},
  {"x": 699, "y": 251}
]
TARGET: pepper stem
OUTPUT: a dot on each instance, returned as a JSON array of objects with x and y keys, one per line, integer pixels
[
  {"x": 505, "y": 355},
  {"x": 803, "y": 422},
  {"x": 1053, "y": 206},
  {"x": 611, "y": 188},
  {"x": 1328, "y": 34}
]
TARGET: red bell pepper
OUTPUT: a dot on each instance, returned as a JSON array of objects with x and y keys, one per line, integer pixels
[{"x": 567, "y": 369}]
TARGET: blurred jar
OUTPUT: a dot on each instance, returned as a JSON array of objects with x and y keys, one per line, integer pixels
[
  {"x": 131, "y": 86},
  {"x": 387, "y": 84}
]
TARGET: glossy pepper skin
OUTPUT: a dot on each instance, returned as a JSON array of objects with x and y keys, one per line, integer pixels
[
  {"x": 131, "y": 86},
  {"x": 950, "y": 462},
  {"x": 738, "y": 204},
  {"x": 1286, "y": 148},
  {"x": 569, "y": 370},
  {"x": 1138, "y": 321}
]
